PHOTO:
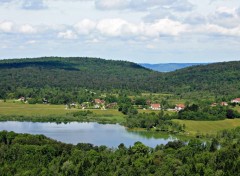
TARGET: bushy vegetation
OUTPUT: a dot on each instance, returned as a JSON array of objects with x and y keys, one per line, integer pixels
[
  {"x": 157, "y": 122},
  {"x": 194, "y": 112},
  {"x": 23, "y": 154}
]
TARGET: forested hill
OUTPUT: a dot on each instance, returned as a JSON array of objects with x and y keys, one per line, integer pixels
[
  {"x": 218, "y": 79},
  {"x": 71, "y": 74}
]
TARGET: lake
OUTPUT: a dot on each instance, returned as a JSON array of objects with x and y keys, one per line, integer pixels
[{"x": 110, "y": 135}]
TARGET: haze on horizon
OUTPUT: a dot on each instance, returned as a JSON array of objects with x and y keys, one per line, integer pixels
[{"x": 142, "y": 31}]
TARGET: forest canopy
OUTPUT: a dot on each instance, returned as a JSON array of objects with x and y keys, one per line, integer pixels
[{"x": 55, "y": 75}]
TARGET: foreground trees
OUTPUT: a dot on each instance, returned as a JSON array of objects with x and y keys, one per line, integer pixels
[{"x": 22, "y": 154}]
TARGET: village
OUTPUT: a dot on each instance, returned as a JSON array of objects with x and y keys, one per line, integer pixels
[{"x": 101, "y": 104}]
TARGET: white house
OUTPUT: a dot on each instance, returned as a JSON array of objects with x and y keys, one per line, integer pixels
[
  {"x": 236, "y": 100},
  {"x": 224, "y": 104}
]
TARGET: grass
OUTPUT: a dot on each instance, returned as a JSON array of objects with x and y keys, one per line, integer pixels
[
  {"x": 41, "y": 112},
  {"x": 18, "y": 108},
  {"x": 237, "y": 108},
  {"x": 208, "y": 127},
  {"x": 10, "y": 108}
]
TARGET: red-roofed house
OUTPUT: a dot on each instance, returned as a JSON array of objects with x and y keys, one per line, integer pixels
[
  {"x": 179, "y": 107},
  {"x": 155, "y": 107},
  {"x": 236, "y": 100}
]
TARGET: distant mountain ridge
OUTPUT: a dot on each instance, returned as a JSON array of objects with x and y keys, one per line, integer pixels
[{"x": 168, "y": 67}]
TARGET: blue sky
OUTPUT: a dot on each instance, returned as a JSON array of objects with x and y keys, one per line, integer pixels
[{"x": 143, "y": 31}]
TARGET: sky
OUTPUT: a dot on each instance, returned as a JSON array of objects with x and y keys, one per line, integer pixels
[{"x": 142, "y": 31}]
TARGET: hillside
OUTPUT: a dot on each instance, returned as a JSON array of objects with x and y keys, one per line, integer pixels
[
  {"x": 74, "y": 73},
  {"x": 54, "y": 76},
  {"x": 221, "y": 79},
  {"x": 168, "y": 67}
]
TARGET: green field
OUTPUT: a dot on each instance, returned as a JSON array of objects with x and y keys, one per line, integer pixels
[
  {"x": 237, "y": 108},
  {"x": 18, "y": 108},
  {"x": 208, "y": 127}
]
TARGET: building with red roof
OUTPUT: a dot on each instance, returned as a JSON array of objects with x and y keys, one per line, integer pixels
[
  {"x": 236, "y": 100},
  {"x": 155, "y": 107},
  {"x": 179, "y": 107}
]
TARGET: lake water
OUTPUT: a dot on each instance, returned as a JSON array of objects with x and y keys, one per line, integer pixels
[{"x": 110, "y": 135}]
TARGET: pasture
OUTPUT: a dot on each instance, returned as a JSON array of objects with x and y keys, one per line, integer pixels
[{"x": 208, "y": 127}]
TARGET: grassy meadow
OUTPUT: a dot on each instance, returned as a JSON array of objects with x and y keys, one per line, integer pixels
[{"x": 208, "y": 127}]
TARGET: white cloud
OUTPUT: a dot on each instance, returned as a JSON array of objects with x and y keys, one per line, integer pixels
[
  {"x": 27, "y": 29},
  {"x": 31, "y": 42},
  {"x": 176, "y": 5},
  {"x": 85, "y": 26},
  {"x": 33, "y": 4},
  {"x": 116, "y": 28},
  {"x": 164, "y": 27},
  {"x": 160, "y": 25},
  {"x": 214, "y": 29},
  {"x": 225, "y": 17},
  {"x": 238, "y": 11},
  {"x": 111, "y": 4},
  {"x": 195, "y": 19},
  {"x": 6, "y": 26},
  {"x": 26, "y": 4},
  {"x": 69, "y": 34}
]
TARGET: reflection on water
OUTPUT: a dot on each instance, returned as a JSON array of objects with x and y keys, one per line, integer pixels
[{"x": 110, "y": 135}]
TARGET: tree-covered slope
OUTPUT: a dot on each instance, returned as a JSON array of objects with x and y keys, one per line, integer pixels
[
  {"x": 71, "y": 73},
  {"x": 218, "y": 78},
  {"x": 24, "y": 154}
]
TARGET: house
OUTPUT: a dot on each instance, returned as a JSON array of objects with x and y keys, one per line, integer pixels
[
  {"x": 21, "y": 99},
  {"x": 155, "y": 107},
  {"x": 224, "y": 104},
  {"x": 236, "y": 100},
  {"x": 213, "y": 104},
  {"x": 179, "y": 107},
  {"x": 73, "y": 105},
  {"x": 45, "y": 101},
  {"x": 96, "y": 106},
  {"x": 98, "y": 101}
]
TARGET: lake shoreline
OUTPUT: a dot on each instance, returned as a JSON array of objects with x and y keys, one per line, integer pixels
[{"x": 88, "y": 132}]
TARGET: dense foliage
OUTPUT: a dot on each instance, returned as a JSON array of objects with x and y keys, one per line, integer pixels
[
  {"x": 158, "y": 122},
  {"x": 219, "y": 79},
  {"x": 53, "y": 76},
  {"x": 23, "y": 154},
  {"x": 194, "y": 112},
  {"x": 61, "y": 80}
]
